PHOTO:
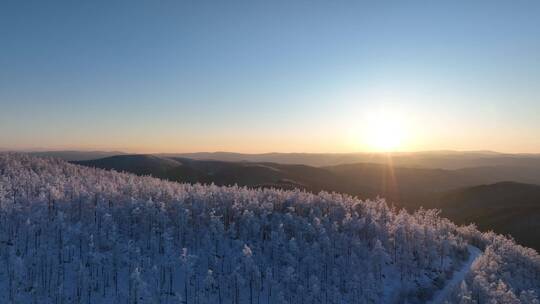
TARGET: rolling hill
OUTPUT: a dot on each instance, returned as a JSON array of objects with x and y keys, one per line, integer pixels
[
  {"x": 450, "y": 160},
  {"x": 506, "y": 208},
  {"x": 502, "y": 207},
  {"x": 408, "y": 186},
  {"x": 222, "y": 173},
  {"x": 364, "y": 180},
  {"x": 137, "y": 164},
  {"x": 75, "y": 155}
]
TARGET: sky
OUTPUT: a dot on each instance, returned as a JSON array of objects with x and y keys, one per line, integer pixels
[{"x": 261, "y": 76}]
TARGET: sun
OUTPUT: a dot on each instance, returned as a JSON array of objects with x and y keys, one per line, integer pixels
[
  {"x": 384, "y": 131},
  {"x": 385, "y": 136}
]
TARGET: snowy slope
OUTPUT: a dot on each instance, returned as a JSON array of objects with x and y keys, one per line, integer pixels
[
  {"x": 70, "y": 234},
  {"x": 457, "y": 277}
]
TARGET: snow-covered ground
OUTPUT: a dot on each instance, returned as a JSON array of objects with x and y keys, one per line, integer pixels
[
  {"x": 458, "y": 276},
  {"x": 70, "y": 234}
]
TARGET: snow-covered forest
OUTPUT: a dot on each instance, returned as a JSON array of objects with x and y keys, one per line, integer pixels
[{"x": 71, "y": 234}]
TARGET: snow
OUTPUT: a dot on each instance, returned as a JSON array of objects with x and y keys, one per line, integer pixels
[
  {"x": 70, "y": 234},
  {"x": 458, "y": 276}
]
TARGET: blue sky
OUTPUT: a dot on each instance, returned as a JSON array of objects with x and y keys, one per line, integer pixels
[{"x": 250, "y": 76}]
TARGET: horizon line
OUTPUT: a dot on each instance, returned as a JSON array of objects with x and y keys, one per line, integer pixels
[{"x": 45, "y": 150}]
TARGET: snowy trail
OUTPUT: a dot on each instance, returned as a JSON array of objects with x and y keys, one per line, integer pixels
[{"x": 457, "y": 277}]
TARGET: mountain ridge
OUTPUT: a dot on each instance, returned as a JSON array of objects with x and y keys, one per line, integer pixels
[
  {"x": 410, "y": 188},
  {"x": 445, "y": 159}
]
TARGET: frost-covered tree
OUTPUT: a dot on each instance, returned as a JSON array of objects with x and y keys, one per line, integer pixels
[{"x": 70, "y": 234}]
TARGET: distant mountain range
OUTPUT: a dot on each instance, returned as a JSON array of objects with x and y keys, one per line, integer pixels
[{"x": 431, "y": 159}]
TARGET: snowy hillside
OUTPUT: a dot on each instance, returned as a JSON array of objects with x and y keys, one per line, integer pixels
[{"x": 70, "y": 234}]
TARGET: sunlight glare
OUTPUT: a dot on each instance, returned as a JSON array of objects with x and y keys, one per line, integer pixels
[{"x": 384, "y": 131}]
